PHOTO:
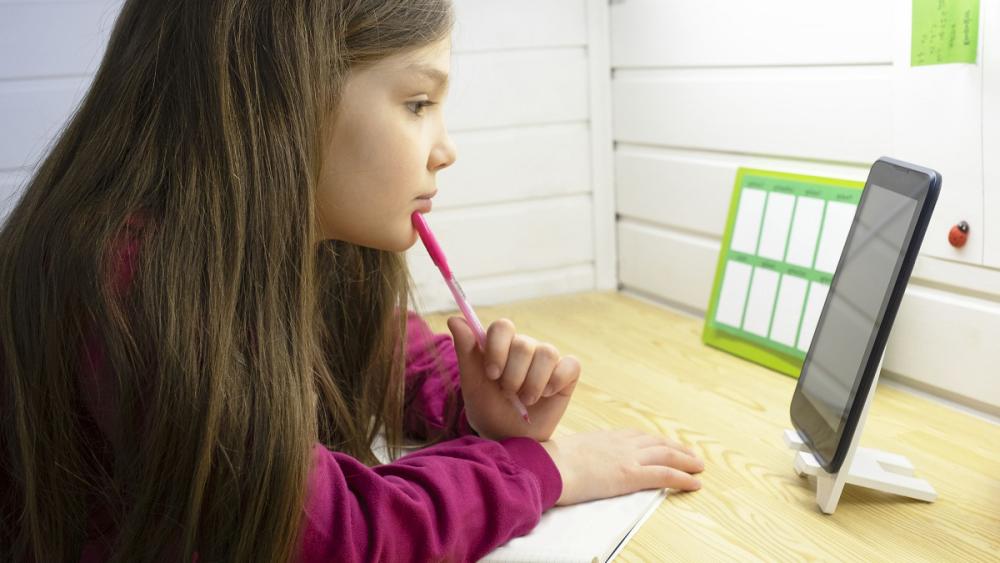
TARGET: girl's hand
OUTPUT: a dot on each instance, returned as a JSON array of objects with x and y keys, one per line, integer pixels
[
  {"x": 512, "y": 364},
  {"x": 609, "y": 463}
]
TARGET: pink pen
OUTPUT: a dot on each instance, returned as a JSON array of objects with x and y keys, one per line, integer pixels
[{"x": 437, "y": 255}]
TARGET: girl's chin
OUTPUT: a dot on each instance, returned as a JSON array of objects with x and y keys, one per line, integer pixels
[
  {"x": 405, "y": 241},
  {"x": 400, "y": 238}
]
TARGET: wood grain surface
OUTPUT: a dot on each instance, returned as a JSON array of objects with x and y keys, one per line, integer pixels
[{"x": 645, "y": 367}]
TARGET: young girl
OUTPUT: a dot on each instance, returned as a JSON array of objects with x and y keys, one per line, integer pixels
[{"x": 205, "y": 314}]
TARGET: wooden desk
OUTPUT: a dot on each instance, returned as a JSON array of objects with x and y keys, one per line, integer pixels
[{"x": 645, "y": 367}]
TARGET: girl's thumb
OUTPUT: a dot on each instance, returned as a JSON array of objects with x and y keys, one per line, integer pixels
[{"x": 465, "y": 340}]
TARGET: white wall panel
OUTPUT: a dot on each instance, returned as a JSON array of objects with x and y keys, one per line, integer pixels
[
  {"x": 518, "y": 24},
  {"x": 841, "y": 114},
  {"x": 947, "y": 341},
  {"x": 690, "y": 190},
  {"x": 432, "y": 295},
  {"x": 510, "y": 164},
  {"x": 601, "y": 145},
  {"x": 517, "y": 87},
  {"x": 11, "y": 184},
  {"x": 32, "y": 112},
  {"x": 990, "y": 18},
  {"x": 938, "y": 122},
  {"x": 663, "y": 33},
  {"x": 957, "y": 277},
  {"x": 941, "y": 339},
  {"x": 673, "y": 189},
  {"x": 679, "y": 267},
  {"x": 512, "y": 238},
  {"x": 516, "y": 211},
  {"x": 702, "y": 88},
  {"x": 54, "y": 38}
]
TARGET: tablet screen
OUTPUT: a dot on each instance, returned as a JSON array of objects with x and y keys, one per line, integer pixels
[{"x": 844, "y": 338}]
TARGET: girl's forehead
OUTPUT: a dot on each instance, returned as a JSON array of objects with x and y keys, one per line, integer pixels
[
  {"x": 428, "y": 69},
  {"x": 435, "y": 54}
]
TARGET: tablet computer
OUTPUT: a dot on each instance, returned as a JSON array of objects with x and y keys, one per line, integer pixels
[{"x": 867, "y": 287}]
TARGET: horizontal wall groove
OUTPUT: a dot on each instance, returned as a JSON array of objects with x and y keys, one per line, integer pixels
[
  {"x": 625, "y": 146},
  {"x": 662, "y": 301},
  {"x": 988, "y": 304},
  {"x": 496, "y": 204},
  {"x": 641, "y": 68},
  {"x": 530, "y": 272},
  {"x": 522, "y": 125},
  {"x": 956, "y": 289},
  {"x": 43, "y": 78},
  {"x": 785, "y": 73},
  {"x": 665, "y": 228},
  {"x": 527, "y": 48}
]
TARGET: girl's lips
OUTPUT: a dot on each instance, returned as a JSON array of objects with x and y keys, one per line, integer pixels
[{"x": 424, "y": 205}]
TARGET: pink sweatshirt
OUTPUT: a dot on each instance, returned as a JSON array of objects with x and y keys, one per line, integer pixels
[{"x": 454, "y": 501}]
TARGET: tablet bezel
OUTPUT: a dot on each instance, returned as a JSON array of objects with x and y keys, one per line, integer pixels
[{"x": 913, "y": 181}]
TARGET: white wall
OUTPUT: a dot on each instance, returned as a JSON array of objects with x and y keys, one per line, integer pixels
[
  {"x": 686, "y": 92},
  {"x": 48, "y": 54},
  {"x": 526, "y": 211},
  {"x": 702, "y": 88}
]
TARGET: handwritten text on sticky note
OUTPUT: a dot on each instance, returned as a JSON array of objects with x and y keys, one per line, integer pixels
[{"x": 944, "y": 31}]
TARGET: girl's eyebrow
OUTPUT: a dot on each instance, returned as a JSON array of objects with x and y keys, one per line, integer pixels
[{"x": 441, "y": 78}]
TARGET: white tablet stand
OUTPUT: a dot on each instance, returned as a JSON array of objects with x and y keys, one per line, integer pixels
[{"x": 873, "y": 469}]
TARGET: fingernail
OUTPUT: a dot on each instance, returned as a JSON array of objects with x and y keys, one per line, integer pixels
[{"x": 492, "y": 371}]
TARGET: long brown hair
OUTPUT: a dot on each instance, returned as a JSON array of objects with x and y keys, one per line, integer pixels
[{"x": 244, "y": 339}]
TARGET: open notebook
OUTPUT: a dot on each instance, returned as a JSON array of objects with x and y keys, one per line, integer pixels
[
  {"x": 587, "y": 532},
  {"x": 590, "y": 532}
]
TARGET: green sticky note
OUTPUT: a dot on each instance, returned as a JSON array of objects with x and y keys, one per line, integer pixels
[{"x": 944, "y": 31}]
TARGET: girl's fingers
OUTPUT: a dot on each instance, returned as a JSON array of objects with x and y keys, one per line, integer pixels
[
  {"x": 524, "y": 366},
  {"x": 498, "y": 340},
  {"x": 669, "y": 457},
  {"x": 659, "y": 476},
  {"x": 522, "y": 349},
  {"x": 539, "y": 373},
  {"x": 564, "y": 377}
]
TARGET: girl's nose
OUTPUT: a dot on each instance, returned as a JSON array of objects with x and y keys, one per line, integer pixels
[{"x": 444, "y": 154}]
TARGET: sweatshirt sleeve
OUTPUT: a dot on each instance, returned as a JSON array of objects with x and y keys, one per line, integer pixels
[
  {"x": 431, "y": 372},
  {"x": 455, "y": 501}
]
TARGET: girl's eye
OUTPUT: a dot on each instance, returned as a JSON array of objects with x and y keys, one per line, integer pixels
[{"x": 420, "y": 105}]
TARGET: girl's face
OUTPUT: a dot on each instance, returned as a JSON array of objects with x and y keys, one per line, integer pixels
[{"x": 386, "y": 145}]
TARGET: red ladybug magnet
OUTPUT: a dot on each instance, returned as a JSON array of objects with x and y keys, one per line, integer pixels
[{"x": 959, "y": 234}]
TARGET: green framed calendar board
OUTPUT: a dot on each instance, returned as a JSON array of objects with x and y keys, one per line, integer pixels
[{"x": 781, "y": 246}]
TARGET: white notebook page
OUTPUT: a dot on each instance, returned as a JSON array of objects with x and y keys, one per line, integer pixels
[{"x": 588, "y": 532}]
